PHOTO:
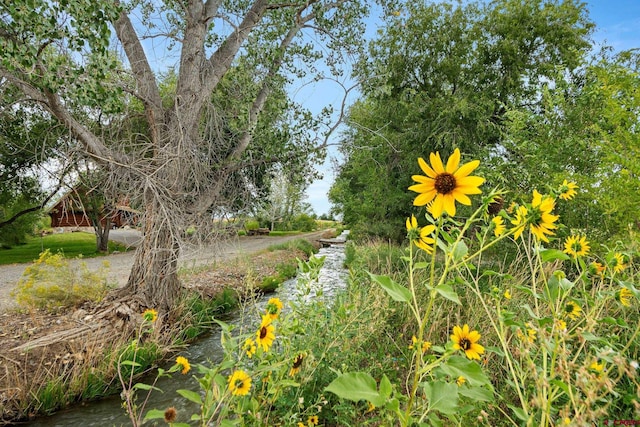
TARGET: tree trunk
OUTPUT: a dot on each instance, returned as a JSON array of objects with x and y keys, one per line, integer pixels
[
  {"x": 102, "y": 236},
  {"x": 154, "y": 274}
]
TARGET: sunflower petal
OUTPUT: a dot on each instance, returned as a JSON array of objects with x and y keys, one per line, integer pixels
[
  {"x": 436, "y": 162},
  {"x": 453, "y": 162},
  {"x": 422, "y": 188},
  {"x": 461, "y": 197},
  {"x": 449, "y": 203},
  {"x": 424, "y": 198},
  {"x": 466, "y": 169},
  {"x": 437, "y": 206},
  {"x": 426, "y": 168},
  {"x": 469, "y": 181}
]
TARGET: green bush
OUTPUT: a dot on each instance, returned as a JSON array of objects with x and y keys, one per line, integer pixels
[
  {"x": 52, "y": 283},
  {"x": 251, "y": 225},
  {"x": 303, "y": 222}
]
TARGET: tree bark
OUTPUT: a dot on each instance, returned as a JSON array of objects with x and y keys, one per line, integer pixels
[{"x": 154, "y": 275}]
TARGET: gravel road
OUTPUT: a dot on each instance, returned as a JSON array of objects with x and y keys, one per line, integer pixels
[{"x": 120, "y": 263}]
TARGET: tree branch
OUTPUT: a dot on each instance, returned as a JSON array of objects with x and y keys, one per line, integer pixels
[
  {"x": 220, "y": 61},
  {"x": 24, "y": 212},
  {"x": 145, "y": 79}
]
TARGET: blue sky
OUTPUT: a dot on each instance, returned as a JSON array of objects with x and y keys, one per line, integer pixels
[{"x": 617, "y": 25}]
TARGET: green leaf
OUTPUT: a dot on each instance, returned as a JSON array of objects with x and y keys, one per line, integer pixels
[
  {"x": 562, "y": 385},
  {"x": 519, "y": 413},
  {"x": 153, "y": 414},
  {"x": 530, "y": 311},
  {"x": 191, "y": 396},
  {"x": 356, "y": 386},
  {"x": 588, "y": 336},
  {"x": 458, "y": 366},
  {"x": 142, "y": 386},
  {"x": 385, "y": 387},
  {"x": 547, "y": 255},
  {"x": 479, "y": 394},
  {"x": 420, "y": 265},
  {"x": 395, "y": 291},
  {"x": 442, "y": 397},
  {"x": 447, "y": 291},
  {"x": 460, "y": 250}
]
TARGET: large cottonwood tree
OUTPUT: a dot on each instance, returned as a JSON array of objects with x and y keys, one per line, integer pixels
[{"x": 89, "y": 61}]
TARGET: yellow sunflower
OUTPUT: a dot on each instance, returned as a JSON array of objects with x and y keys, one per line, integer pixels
[
  {"x": 150, "y": 315},
  {"x": 250, "y": 347},
  {"x": 498, "y": 226},
  {"x": 572, "y": 310},
  {"x": 274, "y": 307},
  {"x": 560, "y": 324},
  {"x": 445, "y": 185},
  {"x": 520, "y": 221},
  {"x": 420, "y": 236},
  {"x": 624, "y": 296},
  {"x": 530, "y": 337},
  {"x": 461, "y": 380},
  {"x": 426, "y": 345},
  {"x": 596, "y": 268},
  {"x": 239, "y": 383},
  {"x": 184, "y": 363},
  {"x": 618, "y": 262},
  {"x": 297, "y": 364},
  {"x": 266, "y": 333},
  {"x": 576, "y": 246},
  {"x": 597, "y": 367},
  {"x": 567, "y": 190},
  {"x": 313, "y": 421},
  {"x": 539, "y": 217},
  {"x": 467, "y": 341}
]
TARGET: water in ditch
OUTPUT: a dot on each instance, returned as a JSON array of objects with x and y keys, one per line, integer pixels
[{"x": 109, "y": 412}]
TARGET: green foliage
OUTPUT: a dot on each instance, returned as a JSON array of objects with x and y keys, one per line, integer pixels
[
  {"x": 51, "y": 397},
  {"x": 270, "y": 284},
  {"x": 53, "y": 283},
  {"x": 304, "y": 223},
  {"x": 444, "y": 75},
  {"x": 251, "y": 225},
  {"x": 302, "y": 245},
  {"x": 199, "y": 312}
]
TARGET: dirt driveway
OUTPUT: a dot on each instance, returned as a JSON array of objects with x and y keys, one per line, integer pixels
[{"x": 120, "y": 263}]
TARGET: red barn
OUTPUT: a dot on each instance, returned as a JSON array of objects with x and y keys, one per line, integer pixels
[{"x": 69, "y": 211}]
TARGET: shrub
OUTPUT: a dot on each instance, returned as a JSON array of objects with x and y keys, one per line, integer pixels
[
  {"x": 303, "y": 222},
  {"x": 52, "y": 283},
  {"x": 251, "y": 225}
]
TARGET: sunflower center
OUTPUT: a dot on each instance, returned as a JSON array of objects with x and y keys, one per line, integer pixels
[
  {"x": 445, "y": 183},
  {"x": 465, "y": 344},
  {"x": 297, "y": 362},
  {"x": 263, "y": 332},
  {"x": 239, "y": 383},
  {"x": 569, "y": 308}
]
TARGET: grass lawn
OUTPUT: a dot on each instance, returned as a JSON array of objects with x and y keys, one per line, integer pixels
[{"x": 70, "y": 244}]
